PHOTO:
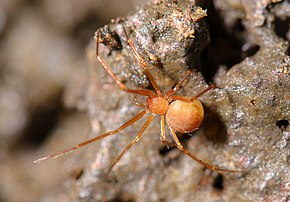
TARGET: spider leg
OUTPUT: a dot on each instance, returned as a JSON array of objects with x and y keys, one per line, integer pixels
[
  {"x": 140, "y": 133},
  {"x": 162, "y": 134},
  {"x": 143, "y": 63},
  {"x": 138, "y": 103},
  {"x": 115, "y": 78},
  {"x": 186, "y": 99},
  {"x": 125, "y": 125},
  {"x": 178, "y": 85},
  {"x": 203, "y": 92},
  {"x": 180, "y": 147}
]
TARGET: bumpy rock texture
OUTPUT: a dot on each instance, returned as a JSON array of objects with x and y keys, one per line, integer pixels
[
  {"x": 247, "y": 115},
  {"x": 242, "y": 46}
]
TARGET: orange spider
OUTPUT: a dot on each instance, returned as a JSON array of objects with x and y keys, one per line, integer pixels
[{"x": 182, "y": 114}]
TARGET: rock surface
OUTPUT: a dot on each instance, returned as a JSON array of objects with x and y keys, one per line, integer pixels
[
  {"x": 247, "y": 115},
  {"x": 47, "y": 79}
]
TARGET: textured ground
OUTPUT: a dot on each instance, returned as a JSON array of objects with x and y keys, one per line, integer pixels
[{"x": 49, "y": 76}]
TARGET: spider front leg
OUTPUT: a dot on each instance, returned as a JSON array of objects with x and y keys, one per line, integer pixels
[
  {"x": 176, "y": 88},
  {"x": 114, "y": 77},
  {"x": 113, "y": 132},
  {"x": 138, "y": 103},
  {"x": 144, "y": 127},
  {"x": 143, "y": 63},
  {"x": 186, "y": 99}
]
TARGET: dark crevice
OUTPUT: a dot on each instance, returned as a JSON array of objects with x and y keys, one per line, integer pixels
[
  {"x": 77, "y": 173},
  {"x": 282, "y": 27},
  {"x": 120, "y": 199},
  {"x": 229, "y": 43},
  {"x": 163, "y": 151},
  {"x": 218, "y": 182},
  {"x": 282, "y": 124},
  {"x": 251, "y": 50}
]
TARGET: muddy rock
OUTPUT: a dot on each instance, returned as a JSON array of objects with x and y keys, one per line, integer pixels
[
  {"x": 246, "y": 123},
  {"x": 55, "y": 93}
]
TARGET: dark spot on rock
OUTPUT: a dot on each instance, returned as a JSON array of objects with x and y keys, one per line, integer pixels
[
  {"x": 251, "y": 50},
  {"x": 218, "y": 182},
  {"x": 163, "y": 151},
  {"x": 77, "y": 173},
  {"x": 282, "y": 124},
  {"x": 109, "y": 38},
  {"x": 120, "y": 199},
  {"x": 282, "y": 27}
]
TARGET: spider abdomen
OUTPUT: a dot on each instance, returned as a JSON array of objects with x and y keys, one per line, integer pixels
[{"x": 185, "y": 117}]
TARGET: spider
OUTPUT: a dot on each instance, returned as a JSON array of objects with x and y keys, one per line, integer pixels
[{"x": 182, "y": 114}]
